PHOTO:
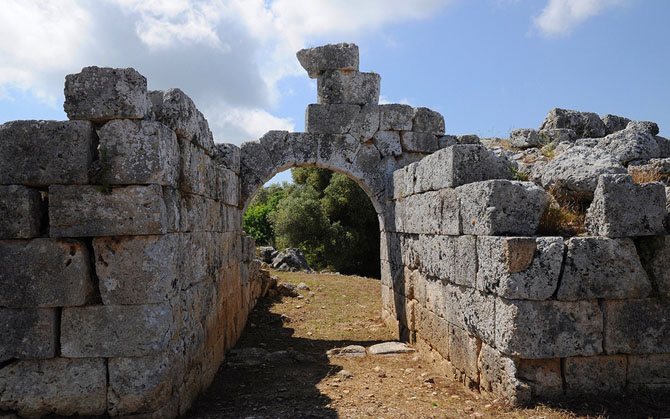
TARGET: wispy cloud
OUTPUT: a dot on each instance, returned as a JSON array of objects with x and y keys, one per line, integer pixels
[{"x": 561, "y": 17}]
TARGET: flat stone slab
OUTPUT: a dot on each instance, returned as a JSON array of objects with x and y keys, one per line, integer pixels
[
  {"x": 27, "y": 334},
  {"x": 388, "y": 348},
  {"x": 351, "y": 351},
  {"x": 328, "y": 57},
  {"x": 21, "y": 211}
]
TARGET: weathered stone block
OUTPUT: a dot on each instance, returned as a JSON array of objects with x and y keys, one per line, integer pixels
[
  {"x": 598, "y": 267},
  {"x": 519, "y": 267},
  {"x": 469, "y": 309},
  {"x": 197, "y": 171},
  {"x": 62, "y": 386},
  {"x": 136, "y": 270},
  {"x": 637, "y": 326},
  {"x": 548, "y": 329},
  {"x": 542, "y": 375},
  {"x": 388, "y": 143},
  {"x": 658, "y": 260},
  {"x": 498, "y": 207},
  {"x": 44, "y": 273},
  {"x": 279, "y": 149},
  {"x": 585, "y": 124},
  {"x": 138, "y": 152},
  {"x": 395, "y": 117},
  {"x": 622, "y": 208},
  {"x": 40, "y": 153},
  {"x": 525, "y": 138},
  {"x": 115, "y": 331},
  {"x": 337, "y": 151},
  {"x": 498, "y": 375},
  {"x": 305, "y": 147},
  {"x": 139, "y": 385},
  {"x": 254, "y": 156},
  {"x": 27, "y": 334},
  {"x": 227, "y": 155},
  {"x": 21, "y": 211},
  {"x": 100, "y": 94},
  {"x": 175, "y": 109},
  {"x": 435, "y": 212},
  {"x": 614, "y": 123},
  {"x": 84, "y": 211},
  {"x": 420, "y": 142},
  {"x": 351, "y": 87},
  {"x": 648, "y": 372},
  {"x": 463, "y": 351},
  {"x": 366, "y": 123},
  {"x": 227, "y": 184},
  {"x": 594, "y": 375},
  {"x": 428, "y": 121},
  {"x": 328, "y": 57},
  {"x": 330, "y": 118}
]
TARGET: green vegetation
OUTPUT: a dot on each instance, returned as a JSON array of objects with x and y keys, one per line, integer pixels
[{"x": 325, "y": 214}]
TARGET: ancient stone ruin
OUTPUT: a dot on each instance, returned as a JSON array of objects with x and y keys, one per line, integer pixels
[{"x": 125, "y": 274}]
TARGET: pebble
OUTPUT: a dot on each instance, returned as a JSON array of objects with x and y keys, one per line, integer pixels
[{"x": 345, "y": 374}]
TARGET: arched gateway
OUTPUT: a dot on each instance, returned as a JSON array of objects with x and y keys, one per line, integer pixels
[{"x": 125, "y": 274}]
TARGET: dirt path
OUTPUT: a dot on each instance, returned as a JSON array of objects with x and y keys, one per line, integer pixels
[{"x": 287, "y": 374}]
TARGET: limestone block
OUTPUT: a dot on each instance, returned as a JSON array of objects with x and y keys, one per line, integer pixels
[
  {"x": 435, "y": 212},
  {"x": 557, "y": 135},
  {"x": 428, "y": 121},
  {"x": 136, "y": 270},
  {"x": 585, "y": 124},
  {"x": 138, "y": 152},
  {"x": 40, "y": 153},
  {"x": 175, "y": 109},
  {"x": 305, "y": 147},
  {"x": 249, "y": 185},
  {"x": 464, "y": 262},
  {"x": 62, "y": 386},
  {"x": 595, "y": 375},
  {"x": 614, "y": 123},
  {"x": 635, "y": 142},
  {"x": 463, "y": 352},
  {"x": 543, "y": 376},
  {"x": 254, "y": 156},
  {"x": 84, "y": 211},
  {"x": 498, "y": 375},
  {"x": 388, "y": 143},
  {"x": 44, "y": 273},
  {"x": 197, "y": 171},
  {"x": 498, "y": 207},
  {"x": 21, "y": 211},
  {"x": 100, "y": 94},
  {"x": 525, "y": 138},
  {"x": 28, "y": 334},
  {"x": 366, "y": 123},
  {"x": 519, "y": 267},
  {"x": 328, "y": 57},
  {"x": 599, "y": 267},
  {"x": 351, "y": 87},
  {"x": 227, "y": 155},
  {"x": 330, "y": 118},
  {"x": 139, "y": 385},
  {"x": 622, "y": 208},
  {"x": 637, "y": 326},
  {"x": 420, "y": 142},
  {"x": 548, "y": 329},
  {"x": 458, "y": 165},
  {"x": 279, "y": 149},
  {"x": 659, "y": 263},
  {"x": 409, "y": 157},
  {"x": 227, "y": 185},
  {"x": 115, "y": 331},
  {"x": 649, "y": 372},
  {"x": 449, "y": 140},
  {"x": 395, "y": 117},
  {"x": 469, "y": 309},
  {"x": 435, "y": 330}
]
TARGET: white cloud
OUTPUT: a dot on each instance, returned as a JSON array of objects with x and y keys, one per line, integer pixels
[
  {"x": 228, "y": 55},
  {"x": 560, "y": 17}
]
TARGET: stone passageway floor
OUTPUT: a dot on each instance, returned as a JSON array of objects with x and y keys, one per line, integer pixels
[{"x": 280, "y": 367}]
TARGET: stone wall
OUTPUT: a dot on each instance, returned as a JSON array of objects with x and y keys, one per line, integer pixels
[{"x": 124, "y": 274}]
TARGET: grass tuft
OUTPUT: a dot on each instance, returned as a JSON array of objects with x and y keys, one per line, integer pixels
[
  {"x": 564, "y": 216},
  {"x": 648, "y": 175}
]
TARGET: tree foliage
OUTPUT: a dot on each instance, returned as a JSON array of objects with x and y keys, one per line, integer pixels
[{"x": 325, "y": 214}]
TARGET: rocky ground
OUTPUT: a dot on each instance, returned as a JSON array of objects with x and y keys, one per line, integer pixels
[{"x": 282, "y": 368}]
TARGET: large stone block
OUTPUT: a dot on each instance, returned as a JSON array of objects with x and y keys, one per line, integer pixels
[
  {"x": 395, "y": 117},
  {"x": 100, "y": 94},
  {"x": 198, "y": 172},
  {"x": 428, "y": 121},
  {"x": 227, "y": 155},
  {"x": 40, "y": 153},
  {"x": 458, "y": 165},
  {"x": 585, "y": 124},
  {"x": 419, "y": 142},
  {"x": 115, "y": 331},
  {"x": 316, "y": 60},
  {"x": 330, "y": 119},
  {"x": 137, "y": 152},
  {"x": 435, "y": 212},
  {"x": 648, "y": 372},
  {"x": 254, "y": 156},
  {"x": 28, "y": 334},
  {"x": 519, "y": 267},
  {"x": 337, "y": 151},
  {"x": 388, "y": 143},
  {"x": 21, "y": 212},
  {"x": 594, "y": 375},
  {"x": 468, "y": 309},
  {"x": 658, "y": 259},
  {"x": 463, "y": 352},
  {"x": 622, "y": 208},
  {"x": 279, "y": 149},
  {"x": 44, "y": 273},
  {"x": 139, "y": 385},
  {"x": 351, "y": 87},
  {"x": 637, "y": 326},
  {"x": 500, "y": 207},
  {"x": 136, "y": 270},
  {"x": 84, "y": 211},
  {"x": 175, "y": 109},
  {"x": 548, "y": 329},
  {"x": 599, "y": 267},
  {"x": 366, "y": 123},
  {"x": 498, "y": 375},
  {"x": 305, "y": 147},
  {"x": 62, "y": 386},
  {"x": 543, "y": 376},
  {"x": 228, "y": 186},
  {"x": 525, "y": 138}
]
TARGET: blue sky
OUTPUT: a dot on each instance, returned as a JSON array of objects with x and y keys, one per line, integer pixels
[{"x": 488, "y": 66}]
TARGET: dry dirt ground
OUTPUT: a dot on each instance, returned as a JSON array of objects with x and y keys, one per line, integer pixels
[{"x": 300, "y": 381}]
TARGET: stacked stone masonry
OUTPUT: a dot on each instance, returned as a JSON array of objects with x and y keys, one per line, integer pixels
[{"x": 125, "y": 273}]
